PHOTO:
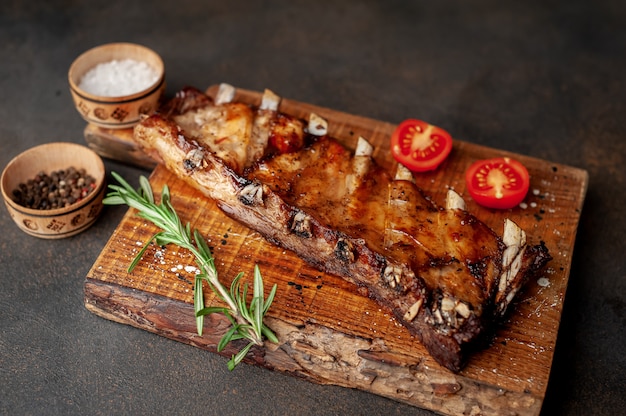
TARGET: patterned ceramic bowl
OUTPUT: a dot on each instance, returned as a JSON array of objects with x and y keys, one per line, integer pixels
[
  {"x": 48, "y": 158},
  {"x": 112, "y": 85}
]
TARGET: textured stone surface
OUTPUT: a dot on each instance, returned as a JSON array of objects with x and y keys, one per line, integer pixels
[{"x": 539, "y": 78}]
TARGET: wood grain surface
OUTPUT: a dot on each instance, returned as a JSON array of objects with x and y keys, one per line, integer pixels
[{"x": 329, "y": 333}]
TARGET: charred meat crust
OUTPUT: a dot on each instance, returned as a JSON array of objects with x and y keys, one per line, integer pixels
[
  {"x": 449, "y": 326},
  {"x": 187, "y": 99}
]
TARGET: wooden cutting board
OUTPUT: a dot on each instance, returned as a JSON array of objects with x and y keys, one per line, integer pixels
[{"x": 328, "y": 332}]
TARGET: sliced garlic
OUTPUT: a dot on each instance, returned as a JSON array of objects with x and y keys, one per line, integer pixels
[
  {"x": 403, "y": 174},
  {"x": 225, "y": 94},
  {"x": 413, "y": 310},
  {"x": 318, "y": 126},
  {"x": 270, "y": 101},
  {"x": 363, "y": 147},
  {"x": 454, "y": 200}
]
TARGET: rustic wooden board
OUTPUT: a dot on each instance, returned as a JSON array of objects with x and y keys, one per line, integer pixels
[
  {"x": 117, "y": 144},
  {"x": 328, "y": 332}
]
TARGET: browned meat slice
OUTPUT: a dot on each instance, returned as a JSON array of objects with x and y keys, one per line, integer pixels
[{"x": 443, "y": 273}]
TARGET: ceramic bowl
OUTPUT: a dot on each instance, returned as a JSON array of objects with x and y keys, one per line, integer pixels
[
  {"x": 122, "y": 111},
  {"x": 59, "y": 222}
]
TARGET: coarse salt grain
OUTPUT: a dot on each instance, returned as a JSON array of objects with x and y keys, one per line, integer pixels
[
  {"x": 118, "y": 77},
  {"x": 543, "y": 282},
  {"x": 191, "y": 269}
]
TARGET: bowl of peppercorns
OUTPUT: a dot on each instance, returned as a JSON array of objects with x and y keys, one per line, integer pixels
[
  {"x": 115, "y": 84},
  {"x": 54, "y": 190}
]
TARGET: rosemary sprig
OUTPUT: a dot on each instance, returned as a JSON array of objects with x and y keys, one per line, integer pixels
[{"x": 247, "y": 320}]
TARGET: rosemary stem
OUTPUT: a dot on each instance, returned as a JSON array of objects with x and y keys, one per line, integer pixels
[
  {"x": 247, "y": 320},
  {"x": 211, "y": 276}
]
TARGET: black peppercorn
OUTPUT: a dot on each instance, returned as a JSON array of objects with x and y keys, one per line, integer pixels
[{"x": 60, "y": 188}]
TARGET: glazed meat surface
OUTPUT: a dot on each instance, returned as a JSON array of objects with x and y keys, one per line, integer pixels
[{"x": 444, "y": 274}]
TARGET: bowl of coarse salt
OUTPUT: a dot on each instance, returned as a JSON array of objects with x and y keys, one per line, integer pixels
[{"x": 113, "y": 85}]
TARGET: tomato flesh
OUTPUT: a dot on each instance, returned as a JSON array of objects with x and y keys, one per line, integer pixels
[
  {"x": 499, "y": 183},
  {"x": 420, "y": 146}
]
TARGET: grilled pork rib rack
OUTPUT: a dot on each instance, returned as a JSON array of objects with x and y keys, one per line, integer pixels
[{"x": 444, "y": 274}]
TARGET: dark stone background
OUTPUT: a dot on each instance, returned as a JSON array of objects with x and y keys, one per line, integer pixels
[{"x": 542, "y": 78}]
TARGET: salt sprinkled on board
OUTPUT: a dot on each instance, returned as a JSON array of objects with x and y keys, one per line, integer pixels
[
  {"x": 118, "y": 77},
  {"x": 192, "y": 269},
  {"x": 543, "y": 282}
]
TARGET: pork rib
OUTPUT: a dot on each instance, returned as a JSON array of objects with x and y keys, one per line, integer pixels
[{"x": 444, "y": 274}]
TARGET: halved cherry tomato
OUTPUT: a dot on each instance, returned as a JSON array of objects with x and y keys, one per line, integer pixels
[
  {"x": 420, "y": 146},
  {"x": 500, "y": 183}
]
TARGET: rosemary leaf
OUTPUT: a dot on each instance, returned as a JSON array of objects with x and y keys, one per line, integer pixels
[
  {"x": 146, "y": 189},
  {"x": 236, "y": 359},
  {"x": 139, "y": 255},
  {"x": 269, "y": 334},
  {"x": 113, "y": 200},
  {"x": 234, "y": 285},
  {"x": 211, "y": 309},
  {"x": 198, "y": 305},
  {"x": 270, "y": 299},
  {"x": 257, "y": 301},
  {"x": 226, "y": 338}
]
